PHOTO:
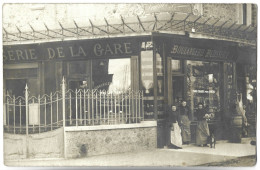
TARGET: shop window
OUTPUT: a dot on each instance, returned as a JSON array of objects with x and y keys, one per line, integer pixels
[
  {"x": 251, "y": 93},
  {"x": 147, "y": 72},
  {"x": 147, "y": 83},
  {"x": 160, "y": 86},
  {"x": 148, "y": 86},
  {"x": 176, "y": 66},
  {"x": 231, "y": 96},
  {"x": 203, "y": 85},
  {"x": 111, "y": 74},
  {"x": 103, "y": 74}
]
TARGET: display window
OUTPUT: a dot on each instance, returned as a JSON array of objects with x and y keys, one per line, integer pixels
[{"x": 203, "y": 85}]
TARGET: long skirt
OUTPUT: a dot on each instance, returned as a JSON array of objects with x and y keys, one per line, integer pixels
[
  {"x": 202, "y": 132},
  {"x": 185, "y": 128},
  {"x": 176, "y": 138}
]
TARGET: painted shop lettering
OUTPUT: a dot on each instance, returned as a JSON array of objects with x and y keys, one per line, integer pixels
[
  {"x": 56, "y": 53},
  {"x": 63, "y": 52},
  {"x": 187, "y": 51},
  {"x": 197, "y": 52},
  {"x": 217, "y": 54},
  {"x": 17, "y": 55},
  {"x": 76, "y": 53},
  {"x": 111, "y": 49}
]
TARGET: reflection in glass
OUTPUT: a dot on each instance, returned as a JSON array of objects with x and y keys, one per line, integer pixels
[
  {"x": 111, "y": 74},
  {"x": 120, "y": 69}
]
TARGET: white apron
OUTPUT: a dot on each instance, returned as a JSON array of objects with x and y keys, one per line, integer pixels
[{"x": 176, "y": 138}]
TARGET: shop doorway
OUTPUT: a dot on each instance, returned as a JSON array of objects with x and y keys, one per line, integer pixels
[
  {"x": 177, "y": 94},
  {"x": 177, "y": 89}
]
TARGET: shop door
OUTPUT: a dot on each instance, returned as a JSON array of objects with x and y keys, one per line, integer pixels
[
  {"x": 175, "y": 93},
  {"x": 177, "y": 89}
]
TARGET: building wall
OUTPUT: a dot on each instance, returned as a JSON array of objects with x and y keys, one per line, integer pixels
[
  {"x": 43, "y": 145},
  {"x": 223, "y": 11},
  {"x": 83, "y": 143},
  {"x": 14, "y": 146},
  {"x": 51, "y": 14}
]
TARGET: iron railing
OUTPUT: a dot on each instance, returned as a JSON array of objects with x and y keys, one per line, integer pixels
[
  {"x": 80, "y": 107},
  {"x": 94, "y": 107}
]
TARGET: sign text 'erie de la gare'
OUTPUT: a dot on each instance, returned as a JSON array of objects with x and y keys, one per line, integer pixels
[{"x": 70, "y": 50}]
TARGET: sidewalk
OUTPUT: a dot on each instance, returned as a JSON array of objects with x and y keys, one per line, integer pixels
[{"x": 190, "y": 155}]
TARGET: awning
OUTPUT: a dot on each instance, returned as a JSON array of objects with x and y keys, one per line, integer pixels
[{"x": 215, "y": 27}]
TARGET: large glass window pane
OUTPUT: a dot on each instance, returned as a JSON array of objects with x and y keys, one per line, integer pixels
[
  {"x": 203, "y": 85},
  {"x": 147, "y": 83},
  {"x": 160, "y": 86},
  {"x": 147, "y": 72},
  {"x": 176, "y": 65},
  {"x": 111, "y": 74}
]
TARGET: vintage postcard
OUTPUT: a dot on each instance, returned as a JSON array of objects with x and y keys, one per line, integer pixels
[{"x": 119, "y": 84}]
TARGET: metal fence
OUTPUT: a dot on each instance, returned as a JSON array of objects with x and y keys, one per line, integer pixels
[{"x": 79, "y": 107}]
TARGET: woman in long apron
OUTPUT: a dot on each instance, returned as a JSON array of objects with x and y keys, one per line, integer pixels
[
  {"x": 184, "y": 123},
  {"x": 202, "y": 131},
  {"x": 175, "y": 140}
]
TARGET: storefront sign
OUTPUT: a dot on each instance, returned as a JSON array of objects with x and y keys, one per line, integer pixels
[
  {"x": 181, "y": 51},
  {"x": 70, "y": 50}
]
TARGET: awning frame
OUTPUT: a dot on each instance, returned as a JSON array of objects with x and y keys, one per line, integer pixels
[{"x": 211, "y": 26}]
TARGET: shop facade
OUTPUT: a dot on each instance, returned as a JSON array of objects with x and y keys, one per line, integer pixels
[
  {"x": 197, "y": 71},
  {"x": 121, "y": 84},
  {"x": 167, "y": 68}
]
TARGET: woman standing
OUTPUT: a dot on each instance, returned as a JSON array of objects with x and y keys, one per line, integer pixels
[
  {"x": 202, "y": 131},
  {"x": 175, "y": 140},
  {"x": 184, "y": 123}
]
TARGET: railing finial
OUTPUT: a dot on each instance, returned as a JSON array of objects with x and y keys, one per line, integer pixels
[{"x": 63, "y": 79}]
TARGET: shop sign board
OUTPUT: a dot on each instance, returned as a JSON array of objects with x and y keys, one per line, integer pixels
[
  {"x": 71, "y": 50},
  {"x": 200, "y": 52}
]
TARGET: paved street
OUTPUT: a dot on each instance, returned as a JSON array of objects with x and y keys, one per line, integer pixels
[{"x": 188, "y": 156}]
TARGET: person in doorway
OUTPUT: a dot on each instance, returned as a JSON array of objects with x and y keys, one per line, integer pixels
[
  {"x": 175, "y": 140},
  {"x": 202, "y": 131},
  {"x": 184, "y": 122}
]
